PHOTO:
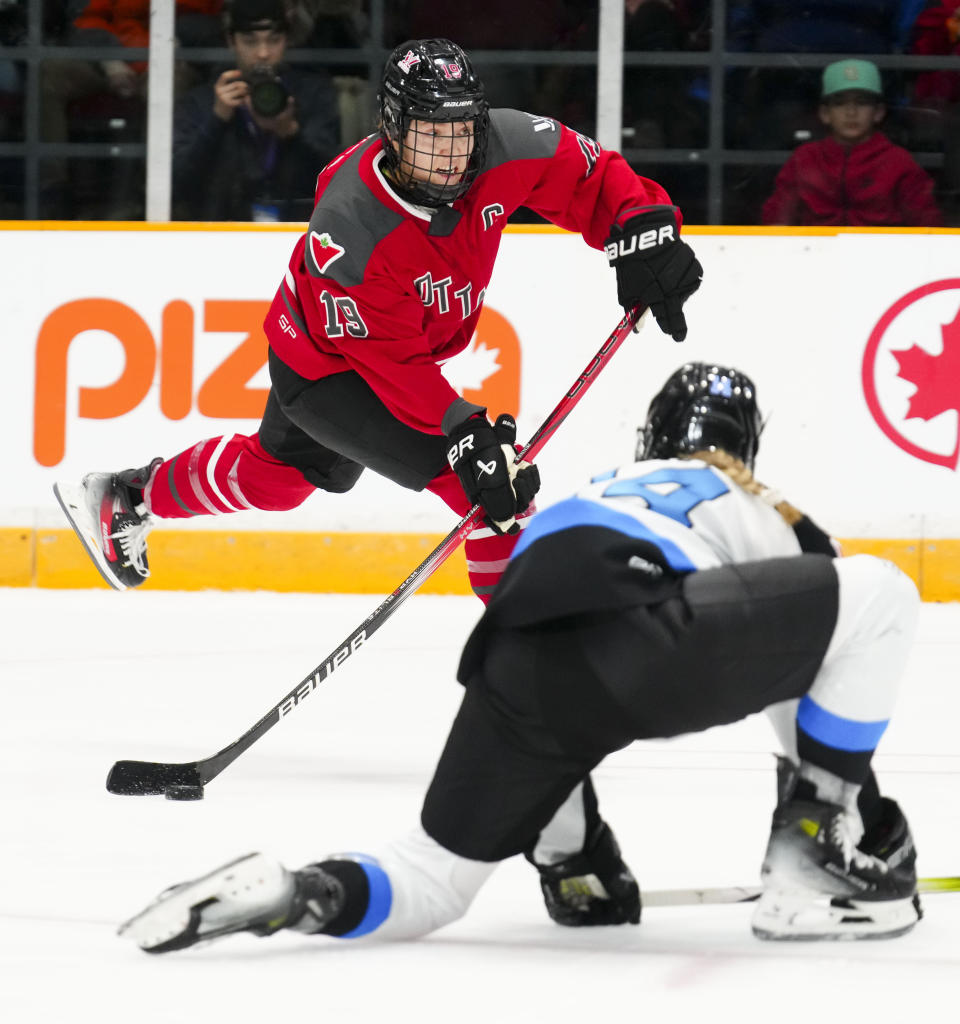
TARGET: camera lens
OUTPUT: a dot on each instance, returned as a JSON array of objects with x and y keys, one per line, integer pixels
[{"x": 268, "y": 94}]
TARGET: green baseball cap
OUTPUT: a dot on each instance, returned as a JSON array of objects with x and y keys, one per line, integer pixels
[{"x": 844, "y": 75}]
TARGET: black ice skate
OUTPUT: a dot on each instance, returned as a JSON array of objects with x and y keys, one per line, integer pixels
[
  {"x": 819, "y": 883},
  {"x": 108, "y": 515},
  {"x": 251, "y": 894}
]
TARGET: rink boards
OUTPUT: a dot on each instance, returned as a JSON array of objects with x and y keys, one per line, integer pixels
[{"x": 127, "y": 341}]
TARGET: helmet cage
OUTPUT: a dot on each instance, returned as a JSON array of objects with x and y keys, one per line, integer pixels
[
  {"x": 703, "y": 407},
  {"x": 429, "y": 80}
]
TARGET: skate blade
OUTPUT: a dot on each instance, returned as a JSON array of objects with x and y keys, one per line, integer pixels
[
  {"x": 234, "y": 897},
  {"x": 807, "y": 916},
  {"x": 76, "y": 502}
]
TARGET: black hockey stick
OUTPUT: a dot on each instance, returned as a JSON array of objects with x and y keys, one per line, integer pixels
[{"x": 186, "y": 781}]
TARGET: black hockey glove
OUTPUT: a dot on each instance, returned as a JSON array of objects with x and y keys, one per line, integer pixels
[
  {"x": 594, "y": 887},
  {"x": 483, "y": 456},
  {"x": 655, "y": 267}
]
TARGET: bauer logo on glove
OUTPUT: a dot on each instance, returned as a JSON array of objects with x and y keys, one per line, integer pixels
[
  {"x": 644, "y": 240},
  {"x": 491, "y": 477},
  {"x": 455, "y": 454},
  {"x": 654, "y": 266}
]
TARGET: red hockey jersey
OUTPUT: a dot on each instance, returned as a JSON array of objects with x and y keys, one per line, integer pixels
[{"x": 390, "y": 290}]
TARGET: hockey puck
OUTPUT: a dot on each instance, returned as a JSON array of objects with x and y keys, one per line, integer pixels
[{"x": 183, "y": 792}]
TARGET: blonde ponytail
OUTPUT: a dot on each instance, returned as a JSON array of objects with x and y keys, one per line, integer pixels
[{"x": 743, "y": 477}]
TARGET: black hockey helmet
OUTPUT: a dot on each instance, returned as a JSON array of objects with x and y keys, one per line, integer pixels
[
  {"x": 430, "y": 80},
  {"x": 703, "y": 407}
]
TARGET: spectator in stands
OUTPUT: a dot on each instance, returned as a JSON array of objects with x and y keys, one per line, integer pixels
[
  {"x": 936, "y": 94},
  {"x": 249, "y": 145},
  {"x": 855, "y": 175},
  {"x": 936, "y": 32}
]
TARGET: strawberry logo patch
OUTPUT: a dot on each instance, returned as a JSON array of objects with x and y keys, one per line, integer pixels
[{"x": 324, "y": 250}]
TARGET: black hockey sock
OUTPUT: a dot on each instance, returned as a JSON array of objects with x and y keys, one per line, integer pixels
[
  {"x": 356, "y": 889},
  {"x": 850, "y": 765}
]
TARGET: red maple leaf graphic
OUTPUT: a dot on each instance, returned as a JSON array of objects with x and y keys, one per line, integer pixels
[{"x": 937, "y": 377}]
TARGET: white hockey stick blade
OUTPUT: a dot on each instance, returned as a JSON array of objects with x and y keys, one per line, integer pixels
[{"x": 750, "y": 893}]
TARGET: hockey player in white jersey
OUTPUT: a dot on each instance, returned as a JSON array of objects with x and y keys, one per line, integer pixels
[{"x": 668, "y": 596}]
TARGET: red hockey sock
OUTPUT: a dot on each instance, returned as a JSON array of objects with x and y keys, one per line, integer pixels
[
  {"x": 487, "y": 551},
  {"x": 224, "y": 474}
]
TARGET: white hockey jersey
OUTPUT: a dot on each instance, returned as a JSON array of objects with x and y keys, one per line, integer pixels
[
  {"x": 630, "y": 537},
  {"x": 692, "y": 511}
]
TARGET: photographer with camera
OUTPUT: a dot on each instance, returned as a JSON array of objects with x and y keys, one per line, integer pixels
[{"x": 249, "y": 146}]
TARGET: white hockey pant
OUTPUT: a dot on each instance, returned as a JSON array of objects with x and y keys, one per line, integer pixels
[
  {"x": 861, "y": 670},
  {"x": 430, "y": 886}
]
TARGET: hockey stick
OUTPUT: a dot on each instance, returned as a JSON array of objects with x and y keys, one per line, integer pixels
[
  {"x": 186, "y": 781},
  {"x": 651, "y": 898},
  {"x": 750, "y": 894}
]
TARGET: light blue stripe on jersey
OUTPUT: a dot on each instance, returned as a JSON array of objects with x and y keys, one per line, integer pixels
[
  {"x": 381, "y": 899},
  {"x": 580, "y": 512},
  {"x": 833, "y": 731}
]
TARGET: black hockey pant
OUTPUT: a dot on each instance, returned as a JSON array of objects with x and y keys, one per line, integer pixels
[{"x": 550, "y": 701}]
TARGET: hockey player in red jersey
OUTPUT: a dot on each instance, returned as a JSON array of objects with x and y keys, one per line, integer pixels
[
  {"x": 386, "y": 283},
  {"x": 668, "y": 596}
]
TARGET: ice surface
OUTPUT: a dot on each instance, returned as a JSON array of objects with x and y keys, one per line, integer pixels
[{"x": 89, "y": 677}]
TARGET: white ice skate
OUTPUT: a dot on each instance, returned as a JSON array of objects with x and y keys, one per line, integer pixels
[
  {"x": 108, "y": 517},
  {"x": 253, "y": 893},
  {"x": 806, "y": 915}
]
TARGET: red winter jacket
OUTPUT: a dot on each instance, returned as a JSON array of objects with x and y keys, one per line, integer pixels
[{"x": 873, "y": 184}]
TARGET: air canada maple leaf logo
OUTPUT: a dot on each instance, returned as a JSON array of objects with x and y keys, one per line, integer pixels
[
  {"x": 937, "y": 377},
  {"x": 911, "y": 373}
]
